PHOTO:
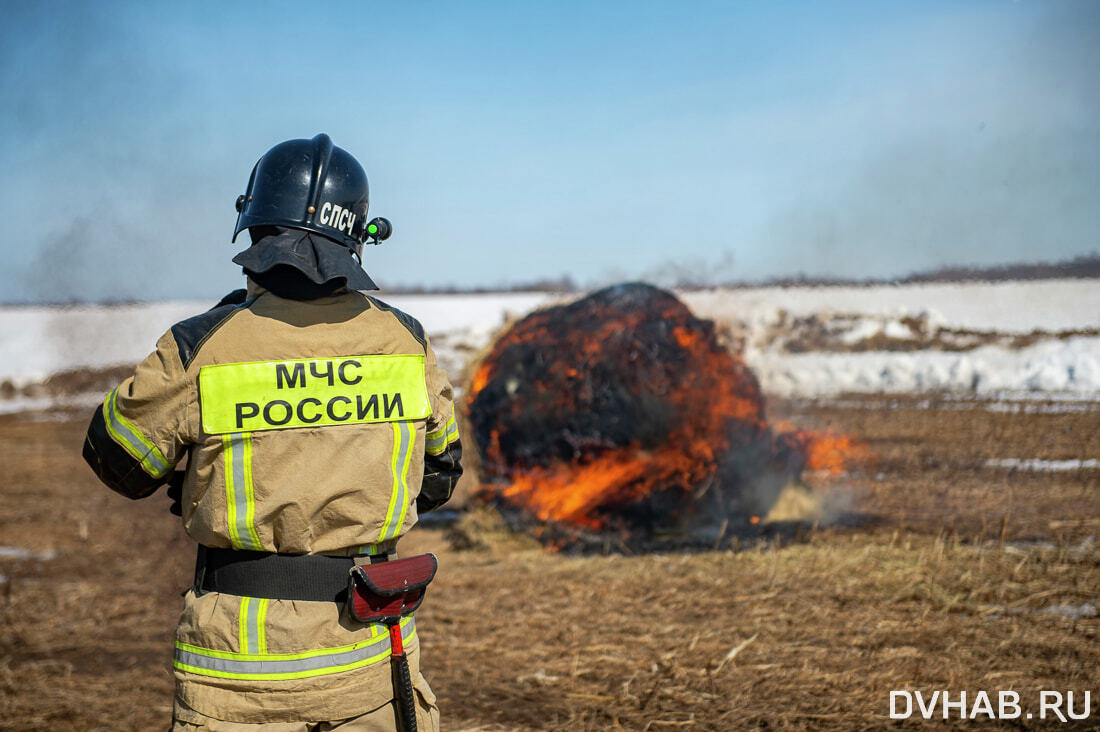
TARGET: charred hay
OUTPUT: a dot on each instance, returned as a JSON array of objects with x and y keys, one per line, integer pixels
[{"x": 623, "y": 415}]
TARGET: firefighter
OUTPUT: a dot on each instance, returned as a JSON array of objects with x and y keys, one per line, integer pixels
[{"x": 310, "y": 424}]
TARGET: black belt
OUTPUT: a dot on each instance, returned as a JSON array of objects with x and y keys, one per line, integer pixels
[{"x": 313, "y": 577}]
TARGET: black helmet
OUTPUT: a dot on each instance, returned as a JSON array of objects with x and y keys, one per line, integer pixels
[{"x": 311, "y": 185}]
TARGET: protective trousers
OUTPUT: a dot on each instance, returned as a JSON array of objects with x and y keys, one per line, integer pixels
[{"x": 382, "y": 719}]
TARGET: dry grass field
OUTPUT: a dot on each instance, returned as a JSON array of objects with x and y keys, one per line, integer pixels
[{"x": 944, "y": 574}]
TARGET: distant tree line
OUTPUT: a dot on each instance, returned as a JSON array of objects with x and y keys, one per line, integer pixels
[
  {"x": 1077, "y": 268},
  {"x": 1083, "y": 267},
  {"x": 696, "y": 277},
  {"x": 565, "y": 283}
]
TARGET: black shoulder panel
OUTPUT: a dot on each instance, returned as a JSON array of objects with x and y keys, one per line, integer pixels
[
  {"x": 237, "y": 297},
  {"x": 411, "y": 324},
  {"x": 190, "y": 334}
]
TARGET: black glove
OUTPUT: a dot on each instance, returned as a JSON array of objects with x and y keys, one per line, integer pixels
[
  {"x": 175, "y": 492},
  {"x": 441, "y": 474}
]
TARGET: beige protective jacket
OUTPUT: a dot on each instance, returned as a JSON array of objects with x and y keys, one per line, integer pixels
[{"x": 308, "y": 426}]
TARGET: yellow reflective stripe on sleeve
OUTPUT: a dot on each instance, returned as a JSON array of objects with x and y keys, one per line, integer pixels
[
  {"x": 312, "y": 392},
  {"x": 403, "y": 435},
  {"x": 436, "y": 442},
  {"x": 240, "y": 495},
  {"x": 278, "y": 666},
  {"x": 127, "y": 435},
  {"x": 378, "y": 547},
  {"x": 436, "y": 434}
]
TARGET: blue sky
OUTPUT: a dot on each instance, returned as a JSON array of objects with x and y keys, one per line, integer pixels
[{"x": 513, "y": 141}]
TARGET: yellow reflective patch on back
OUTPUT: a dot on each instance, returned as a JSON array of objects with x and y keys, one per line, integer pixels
[{"x": 312, "y": 392}]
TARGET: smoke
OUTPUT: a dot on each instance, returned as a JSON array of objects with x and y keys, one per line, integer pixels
[
  {"x": 919, "y": 204},
  {"x": 949, "y": 134},
  {"x": 104, "y": 161},
  {"x": 997, "y": 162},
  {"x": 798, "y": 502},
  {"x": 70, "y": 264}
]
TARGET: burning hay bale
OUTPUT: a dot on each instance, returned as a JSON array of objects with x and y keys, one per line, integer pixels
[{"x": 622, "y": 412}]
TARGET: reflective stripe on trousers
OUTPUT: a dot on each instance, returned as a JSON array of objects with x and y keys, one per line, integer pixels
[
  {"x": 252, "y": 636},
  {"x": 277, "y": 666}
]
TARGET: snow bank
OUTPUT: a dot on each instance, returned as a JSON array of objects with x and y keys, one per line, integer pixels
[
  {"x": 966, "y": 338},
  {"x": 38, "y": 341},
  {"x": 461, "y": 325},
  {"x": 977, "y": 338},
  {"x": 1049, "y": 366},
  {"x": 1005, "y": 307}
]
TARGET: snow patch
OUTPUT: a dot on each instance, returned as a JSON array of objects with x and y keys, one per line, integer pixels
[
  {"x": 15, "y": 552},
  {"x": 1071, "y": 612},
  {"x": 36, "y": 342},
  {"x": 27, "y": 404},
  {"x": 1043, "y": 466}
]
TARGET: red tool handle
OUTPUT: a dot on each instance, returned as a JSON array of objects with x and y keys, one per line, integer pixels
[
  {"x": 397, "y": 645},
  {"x": 402, "y": 682}
]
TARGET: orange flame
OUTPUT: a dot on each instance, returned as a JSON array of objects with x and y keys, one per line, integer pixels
[
  {"x": 827, "y": 452},
  {"x": 722, "y": 393},
  {"x": 481, "y": 378},
  {"x": 573, "y": 493},
  {"x": 714, "y": 396}
]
